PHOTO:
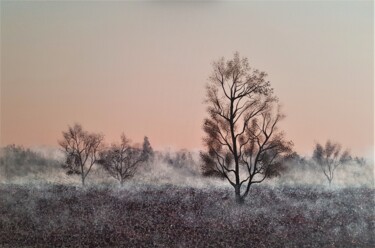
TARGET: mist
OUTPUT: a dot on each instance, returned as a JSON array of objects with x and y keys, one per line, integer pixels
[
  {"x": 349, "y": 175},
  {"x": 169, "y": 203},
  {"x": 44, "y": 165}
]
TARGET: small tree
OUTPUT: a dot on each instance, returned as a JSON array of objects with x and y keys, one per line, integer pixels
[
  {"x": 122, "y": 160},
  {"x": 329, "y": 158},
  {"x": 81, "y": 149},
  {"x": 148, "y": 152},
  {"x": 242, "y": 140}
]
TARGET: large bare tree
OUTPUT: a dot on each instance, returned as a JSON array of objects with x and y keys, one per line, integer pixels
[
  {"x": 122, "y": 160},
  {"x": 81, "y": 149},
  {"x": 243, "y": 142},
  {"x": 329, "y": 158}
]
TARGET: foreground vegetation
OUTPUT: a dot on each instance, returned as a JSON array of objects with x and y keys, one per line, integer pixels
[{"x": 170, "y": 216}]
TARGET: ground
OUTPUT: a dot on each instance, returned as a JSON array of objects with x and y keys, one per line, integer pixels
[{"x": 171, "y": 216}]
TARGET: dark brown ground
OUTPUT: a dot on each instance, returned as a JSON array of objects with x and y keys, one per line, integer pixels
[{"x": 169, "y": 216}]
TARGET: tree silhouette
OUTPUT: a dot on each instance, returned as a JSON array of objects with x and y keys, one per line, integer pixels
[
  {"x": 329, "y": 158},
  {"x": 242, "y": 140},
  {"x": 121, "y": 161},
  {"x": 148, "y": 152},
  {"x": 81, "y": 149}
]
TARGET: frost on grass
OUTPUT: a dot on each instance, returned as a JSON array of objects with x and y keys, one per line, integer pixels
[
  {"x": 167, "y": 215},
  {"x": 169, "y": 204}
]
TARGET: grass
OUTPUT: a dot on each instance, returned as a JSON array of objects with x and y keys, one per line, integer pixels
[{"x": 170, "y": 216}]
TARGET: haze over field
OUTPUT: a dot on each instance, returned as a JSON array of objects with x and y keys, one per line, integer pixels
[
  {"x": 187, "y": 124},
  {"x": 141, "y": 68}
]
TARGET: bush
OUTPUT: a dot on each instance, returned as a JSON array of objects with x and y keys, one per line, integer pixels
[{"x": 17, "y": 161}]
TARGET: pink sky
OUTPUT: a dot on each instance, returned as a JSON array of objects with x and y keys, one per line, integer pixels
[{"x": 141, "y": 68}]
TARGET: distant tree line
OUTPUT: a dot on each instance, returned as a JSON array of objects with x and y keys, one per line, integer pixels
[{"x": 18, "y": 161}]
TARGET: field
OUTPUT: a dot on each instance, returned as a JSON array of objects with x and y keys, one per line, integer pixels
[{"x": 171, "y": 216}]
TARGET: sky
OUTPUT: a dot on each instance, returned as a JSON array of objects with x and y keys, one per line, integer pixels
[{"x": 141, "y": 68}]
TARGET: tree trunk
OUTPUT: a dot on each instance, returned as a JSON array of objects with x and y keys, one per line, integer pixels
[
  {"x": 83, "y": 180},
  {"x": 239, "y": 199}
]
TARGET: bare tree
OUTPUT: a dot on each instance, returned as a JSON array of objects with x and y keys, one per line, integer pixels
[
  {"x": 81, "y": 149},
  {"x": 329, "y": 158},
  {"x": 243, "y": 142},
  {"x": 122, "y": 160}
]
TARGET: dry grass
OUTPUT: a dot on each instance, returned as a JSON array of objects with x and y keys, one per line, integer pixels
[{"x": 169, "y": 216}]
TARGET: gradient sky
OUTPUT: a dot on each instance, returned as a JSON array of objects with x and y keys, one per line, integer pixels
[{"x": 141, "y": 68}]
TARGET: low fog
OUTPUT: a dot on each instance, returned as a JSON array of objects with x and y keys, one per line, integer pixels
[
  {"x": 39, "y": 165},
  {"x": 168, "y": 203}
]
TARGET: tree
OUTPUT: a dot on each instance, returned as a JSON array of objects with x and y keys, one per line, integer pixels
[
  {"x": 243, "y": 142},
  {"x": 122, "y": 160},
  {"x": 329, "y": 158},
  {"x": 148, "y": 152},
  {"x": 81, "y": 149}
]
